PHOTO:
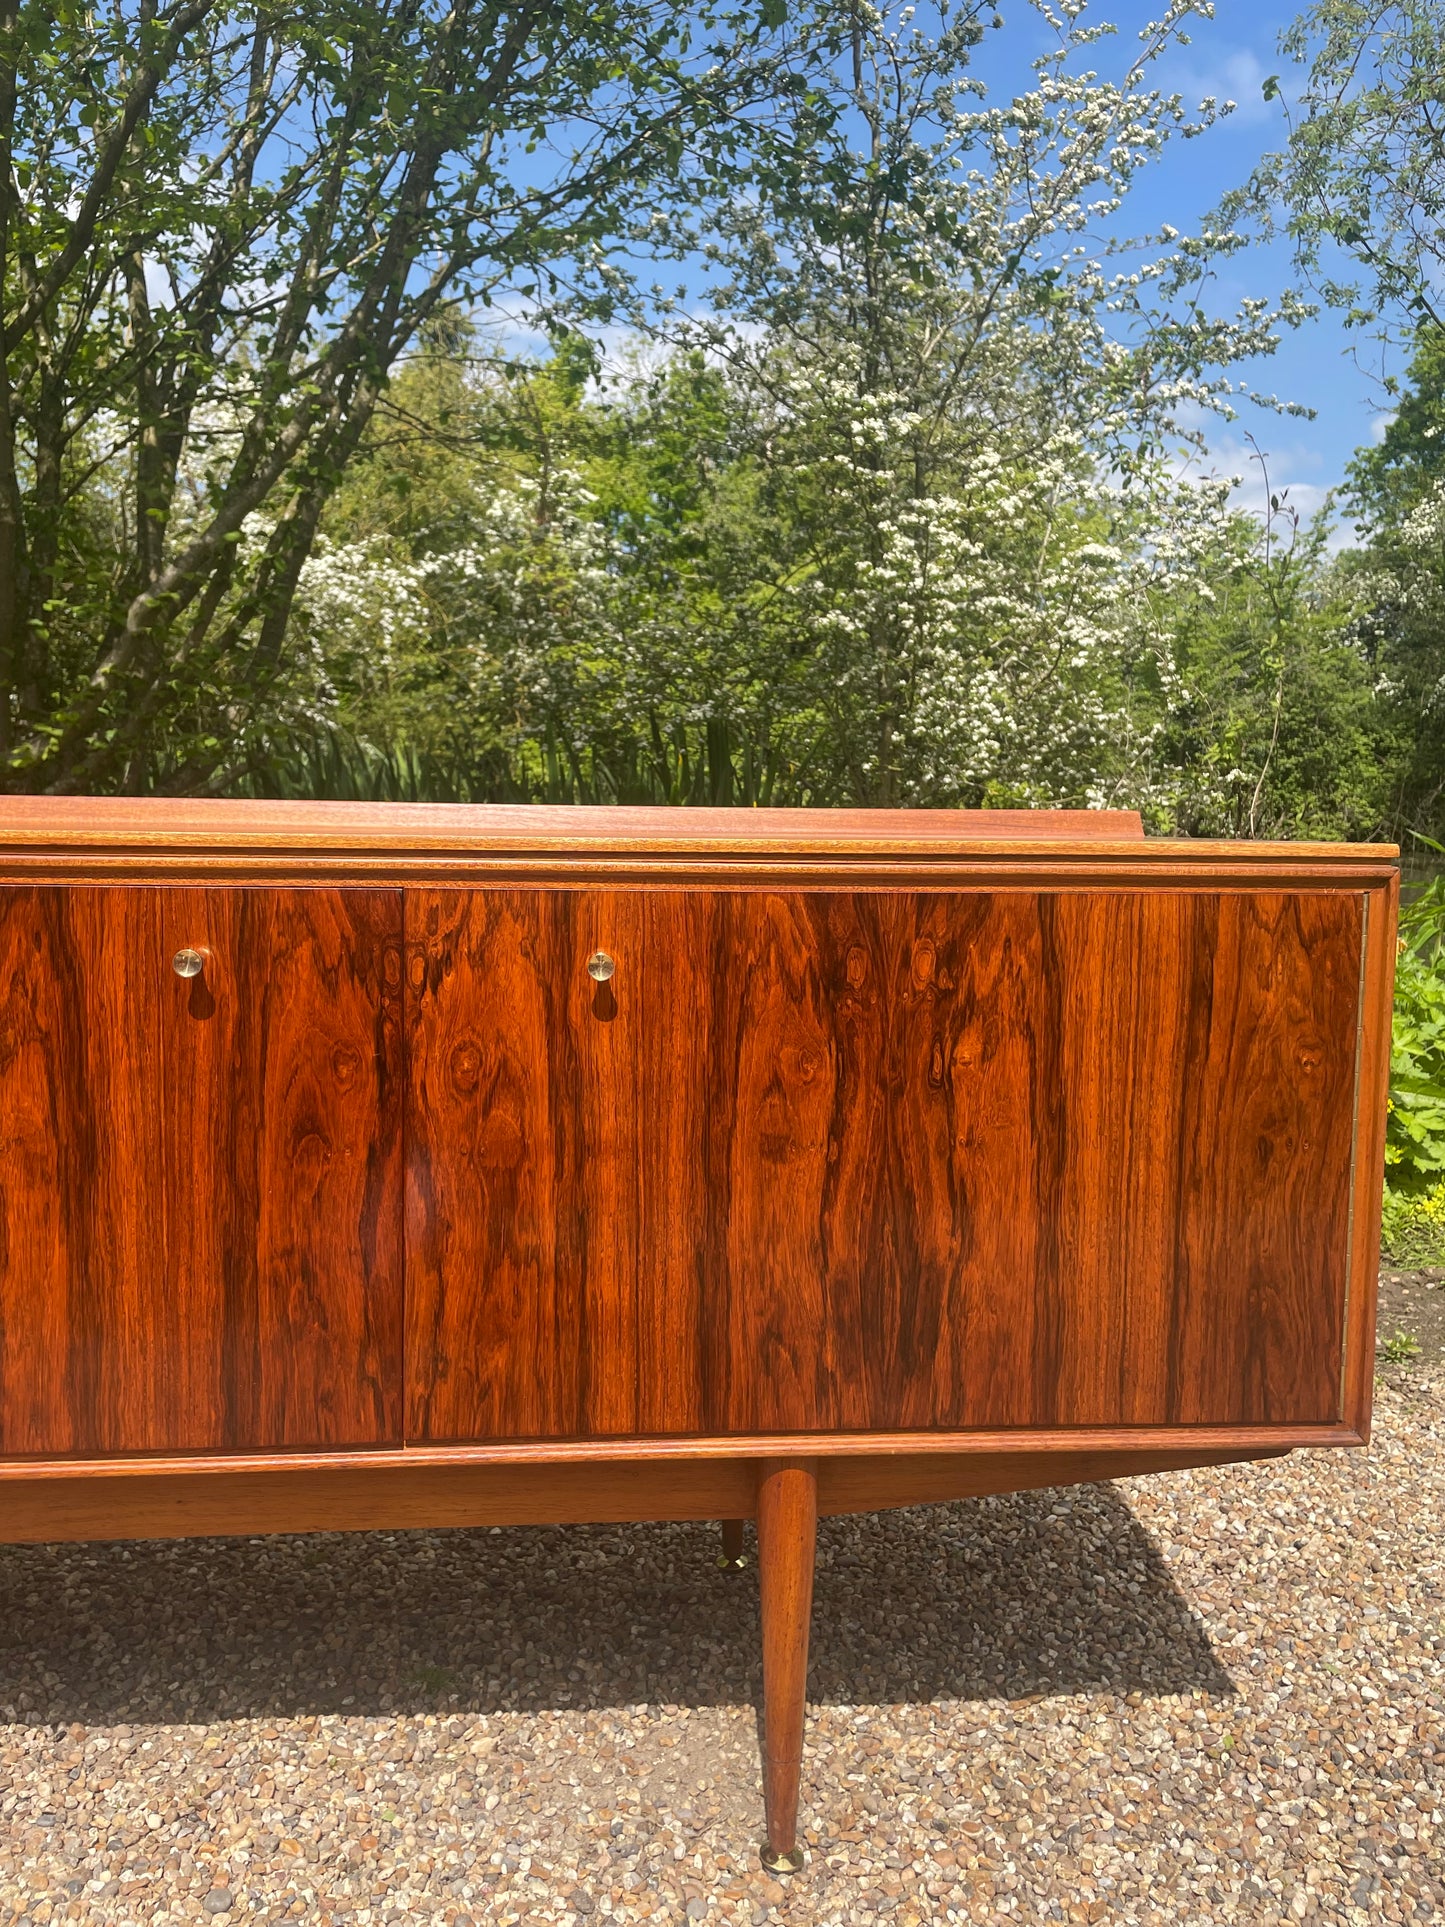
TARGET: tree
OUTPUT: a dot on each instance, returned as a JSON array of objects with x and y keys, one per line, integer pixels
[
  {"x": 1362, "y": 173},
  {"x": 1396, "y": 582},
  {"x": 1269, "y": 721},
  {"x": 531, "y": 587},
  {"x": 1387, "y": 481},
  {"x": 1360, "y": 189},
  {"x": 914, "y": 533},
  {"x": 959, "y": 404},
  {"x": 570, "y": 615},
  {"x": 221, "y": 224}
]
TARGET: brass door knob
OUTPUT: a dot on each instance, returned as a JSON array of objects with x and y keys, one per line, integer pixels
[
  {"x": 600, "y": 966},
  {"x": 188, "y": 962}
]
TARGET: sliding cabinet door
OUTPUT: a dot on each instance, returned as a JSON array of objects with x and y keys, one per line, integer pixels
[
  {"x": 200, "y": 1175},
  {"x": 877, "y": 1160}
]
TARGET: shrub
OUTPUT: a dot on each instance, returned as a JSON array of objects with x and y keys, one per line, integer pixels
[
  {"x": 1412, "y": 1230},
  {"x": 1414, "y": 1216}
]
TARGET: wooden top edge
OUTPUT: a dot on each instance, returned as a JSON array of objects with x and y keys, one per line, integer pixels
[
  {"x": 220, "y": 826},
  {"x": 250, "y": 823}
]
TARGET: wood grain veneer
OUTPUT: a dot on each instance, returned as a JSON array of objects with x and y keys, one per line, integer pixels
[
  {"x": 391, "y": 843},
  {"x": 1013, "y": 1443},
  {"x": 1377, "y": 983},
  {"x": 210, "y": 825},
  {"x": 200, "y": 1237},
  {"x": 867, "y": 1161}
]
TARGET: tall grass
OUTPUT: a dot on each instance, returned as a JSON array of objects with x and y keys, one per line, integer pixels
[{"x": 678, "y": 763}]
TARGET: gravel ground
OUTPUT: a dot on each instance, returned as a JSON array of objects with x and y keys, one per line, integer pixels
[
  {"x": 1196, "y": 1697},
  {"x": 1412, "y": 1308}
]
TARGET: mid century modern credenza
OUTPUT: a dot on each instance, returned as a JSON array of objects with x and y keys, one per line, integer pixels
[{"x": 383, "y": 1166}]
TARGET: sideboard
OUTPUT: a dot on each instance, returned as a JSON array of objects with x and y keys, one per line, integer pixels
[{"x": 391, "y": 1165}]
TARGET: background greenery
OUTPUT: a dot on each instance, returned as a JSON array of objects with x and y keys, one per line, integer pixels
[
  {"x": 649, "y": 589},
  {"x": 1414, "y": 1219}
]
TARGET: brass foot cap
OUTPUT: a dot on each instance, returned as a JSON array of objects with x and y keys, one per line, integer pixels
[
  {"x": 789, "y": 1862},
  {"x": 730, "y": 1565}
]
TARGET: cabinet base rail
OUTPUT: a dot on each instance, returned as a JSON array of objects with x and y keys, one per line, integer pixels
[{"x": 784, "y": 1496}]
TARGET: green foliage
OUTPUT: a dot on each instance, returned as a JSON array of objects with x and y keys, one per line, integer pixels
[
  {"x": 873, "y": 534},
  {"x": 1359, "y": 189},
  {"x": 1412, "y": 1229},
  {"x": 666, "y": 586},
  {"x": 1274, "y": 727},
  {"x": 1397, "y": 583},
  {"x": 1399, "y": 1348},
  {"x": 896, "y": 519},
  {"x": 1415, "y": 1139},
  {"x": 1388, "y": 479}
]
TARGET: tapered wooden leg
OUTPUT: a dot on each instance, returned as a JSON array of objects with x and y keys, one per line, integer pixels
[
  {"x": 787, "y": 1536},
  {"x": 732, "y": 1538}
]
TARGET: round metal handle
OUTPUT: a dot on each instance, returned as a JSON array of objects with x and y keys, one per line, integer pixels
[
  {"x": 600, "y": 966},
  {"x": 188, "y": 963}
]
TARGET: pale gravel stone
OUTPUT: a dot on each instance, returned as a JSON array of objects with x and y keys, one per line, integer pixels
[{"x": 1200, "y": 1697}]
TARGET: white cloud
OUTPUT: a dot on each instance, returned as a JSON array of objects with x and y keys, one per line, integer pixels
[
  {"x": 1238, "y": 76},
  {"x": 1294, "y": 478}
]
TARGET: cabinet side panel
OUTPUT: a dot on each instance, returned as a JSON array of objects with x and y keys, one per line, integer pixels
[{"x": 1377, "y": 988}]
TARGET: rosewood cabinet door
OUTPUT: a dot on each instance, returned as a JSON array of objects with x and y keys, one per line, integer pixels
[
  {"x": 878, "y": 1160},
  {"x": 556, "y": 1189},
  {"x": 200, "y": 1179}
]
